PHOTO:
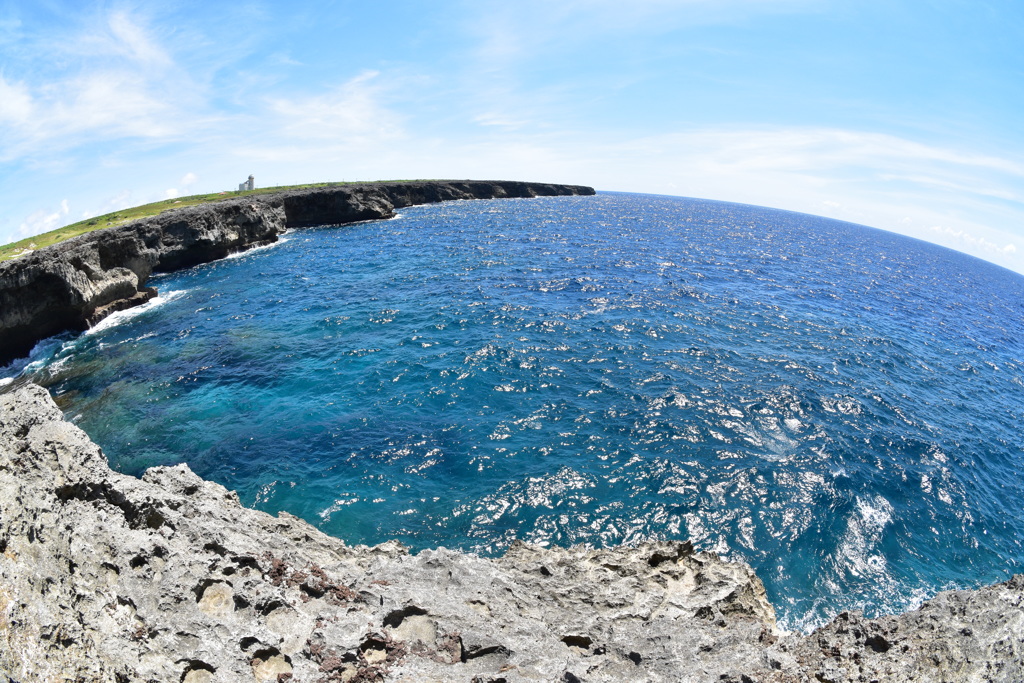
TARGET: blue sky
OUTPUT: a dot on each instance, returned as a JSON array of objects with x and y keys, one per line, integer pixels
[{"x": 903, "y": 115}]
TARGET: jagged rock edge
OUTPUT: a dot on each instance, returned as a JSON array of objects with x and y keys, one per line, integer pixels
[{"x": 74, "y": 284}]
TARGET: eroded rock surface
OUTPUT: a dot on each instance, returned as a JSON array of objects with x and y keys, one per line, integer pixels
[
  {"x": 74, "y": 284},
  {"x": 106, "y": 577}
]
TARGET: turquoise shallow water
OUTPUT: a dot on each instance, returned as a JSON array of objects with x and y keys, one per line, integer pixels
[{"x": 838, "y": 406}]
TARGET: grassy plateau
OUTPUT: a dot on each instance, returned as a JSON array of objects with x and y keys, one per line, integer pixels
[{"x": 109, "y": 220}]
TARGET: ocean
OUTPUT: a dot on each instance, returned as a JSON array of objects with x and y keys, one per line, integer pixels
[{"x": 836, "y": 405}]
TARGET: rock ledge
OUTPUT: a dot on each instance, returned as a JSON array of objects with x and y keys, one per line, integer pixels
[{"x": 106, "y": 577}]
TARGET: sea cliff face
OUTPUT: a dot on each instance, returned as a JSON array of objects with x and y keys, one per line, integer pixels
[
  {"x": 74, "y": 284},
  {"x": 106, "y": 577}
]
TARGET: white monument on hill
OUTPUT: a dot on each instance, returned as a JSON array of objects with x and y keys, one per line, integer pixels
[{"x": 249, "y": 184}]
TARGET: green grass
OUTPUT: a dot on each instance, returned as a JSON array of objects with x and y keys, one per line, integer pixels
[{"x": 16, "y": 249}]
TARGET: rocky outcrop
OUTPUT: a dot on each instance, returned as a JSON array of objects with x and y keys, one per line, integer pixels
[
  {"x": 70, "y": 285},
  {"x": 74, "y": 284},
  {"x": 106, "y": 577},
  {"x": 350, "y": 203}
]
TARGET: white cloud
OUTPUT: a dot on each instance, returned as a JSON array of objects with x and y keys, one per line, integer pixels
[
  {"x": 512, "y": 31},
  {"x": 285, "y": 59},
  {"x": 500, "y": 120},
  {"x": 43, "y": 220},
  {"x": 944, "y": 184},
  {"x": 975, "y": 242},
  {"x": 184, "y": 183},
  {"x": 121, "y": 200},
  {"x": 118, "y": 103},
  {"x": 133, "y": 41},
  {"x": 15, "y": 103},
  {"x": 805, "y": 150},
  {"x": 125, "y": 85},
  {"x": 349, "y": 114}
]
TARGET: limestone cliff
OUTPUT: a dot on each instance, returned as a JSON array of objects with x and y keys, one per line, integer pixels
[
  {"x": 106, "y": 577},
  {"x": 74, "y": 284}
]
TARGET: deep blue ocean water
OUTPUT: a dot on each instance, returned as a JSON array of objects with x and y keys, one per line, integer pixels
[{"x": 837, "y": 405}]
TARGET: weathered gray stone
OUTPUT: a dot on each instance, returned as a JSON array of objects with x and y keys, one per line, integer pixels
[{"x": 106, "y": 577}]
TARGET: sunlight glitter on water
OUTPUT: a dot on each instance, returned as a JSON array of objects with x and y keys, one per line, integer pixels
[{"x": 804, "y": 394}]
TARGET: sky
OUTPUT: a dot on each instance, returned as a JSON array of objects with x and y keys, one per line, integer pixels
[{"x": 904, "y": 115}]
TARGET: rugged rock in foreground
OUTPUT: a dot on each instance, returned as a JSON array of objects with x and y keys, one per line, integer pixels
[
  {"x": 74, "y": 284},
  {"x": 105, "y": 577}
]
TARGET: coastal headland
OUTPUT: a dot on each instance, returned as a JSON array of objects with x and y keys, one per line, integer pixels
[
  {"x": 74, "y": 284},
  {"x": 167, "y": 577}
]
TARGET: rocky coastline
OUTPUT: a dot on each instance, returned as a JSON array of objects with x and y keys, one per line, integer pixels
[
  {"x": 167, "y": 577},
  {"x": 108, "y": 577},
  {"x": 74, "y": 284}
]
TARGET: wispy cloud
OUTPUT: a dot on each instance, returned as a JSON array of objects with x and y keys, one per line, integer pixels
[
  {"x": 125, "y": 85},
  {"x": 531, "y": 28},
  {"x": 62, "y": 115},
  {"x": 820, "y": 158},
  {"x": 187, "y": 181},
  {"x": 44, "y": 221},
  {"x": 803, "y": 149},
  {"x": 972, "y": 242},
  {"x": 351, "y": 113},
  {"x": 133, "y": 41},
  {"x": 16, "y": 106},
  {"x": 500, "y": 120}
]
